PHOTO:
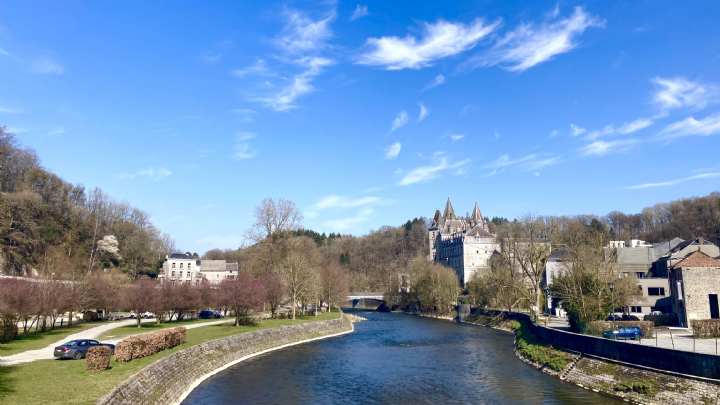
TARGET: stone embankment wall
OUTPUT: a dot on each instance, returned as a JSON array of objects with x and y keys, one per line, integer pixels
[{"x": 167, "y": 380}]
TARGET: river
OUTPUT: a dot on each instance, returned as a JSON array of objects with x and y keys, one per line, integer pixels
[{"x": 393, "y": 359}]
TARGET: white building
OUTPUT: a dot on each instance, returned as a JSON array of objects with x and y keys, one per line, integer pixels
[
  {"x": 464, "y": 244},
  {"x": 189, "y": 267}
]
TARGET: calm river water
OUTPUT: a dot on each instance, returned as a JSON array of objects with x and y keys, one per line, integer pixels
[{"x": 393, "y": 359}]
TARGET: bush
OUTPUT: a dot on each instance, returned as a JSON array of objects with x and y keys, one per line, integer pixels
[
  {"x": 145, "y": 345},
  {"x": 98, "y": 358},
  {"x": 8, "y": 331},
  {"x": 640, "y": 387},
  {"x": 598, "y": 327},
  {"x": 662, "y": 320},
  {"x": 705, "y": 327},
  {"x": 544, "y": 355}
]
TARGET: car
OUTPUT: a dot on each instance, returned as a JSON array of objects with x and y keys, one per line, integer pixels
[
  {"x": 209, "y": 314},
  {"x": 77, "y": 349},
  {"x": 631, "y": 332}
]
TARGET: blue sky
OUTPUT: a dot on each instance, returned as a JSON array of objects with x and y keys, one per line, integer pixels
[{"x": 366, "y": 113}]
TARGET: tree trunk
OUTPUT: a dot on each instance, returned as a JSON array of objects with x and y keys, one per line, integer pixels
[
  {"x": 294, "y": 305},
  {"x": 139, "y": 320}
]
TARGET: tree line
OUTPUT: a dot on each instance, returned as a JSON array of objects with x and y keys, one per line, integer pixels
[{"x": 51, "y": 228}]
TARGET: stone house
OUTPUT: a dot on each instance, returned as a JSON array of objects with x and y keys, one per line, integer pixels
[
  {"x": 188, "y": 267},
  {"x": 695, "y": 286},
  {"x": 464, "y": 244}
]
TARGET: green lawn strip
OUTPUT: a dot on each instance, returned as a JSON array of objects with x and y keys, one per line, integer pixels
[
  {"x": 39, "y": 340},
  {"x": 530, "y": 348},
  {"x": 67, "y": 382},
  {"x": 149, "y": 327}
]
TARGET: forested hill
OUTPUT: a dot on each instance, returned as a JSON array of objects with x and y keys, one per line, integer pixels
[{"x": 49, "y": 226}]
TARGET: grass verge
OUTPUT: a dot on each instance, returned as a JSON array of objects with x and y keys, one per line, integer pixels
[
  {"x": 67, "y": 382},
  {"x": 150, "y": 327},
  {"x": 38, "y": 340},
  {"x": 530, "y": 348}
]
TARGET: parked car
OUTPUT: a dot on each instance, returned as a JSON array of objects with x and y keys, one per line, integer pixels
[
  {"x": 209, "y": 314},
  {"x": 614, "y": 317},
  {"x": 77, "y": 349},
  {"x": 632, "y": 332}
]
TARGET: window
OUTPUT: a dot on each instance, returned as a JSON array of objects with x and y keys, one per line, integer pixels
[
  {"x": 181, "y": 265},
  {"x": 188, "y": 274},
  {"x": 173, "y": 273},
  {"x": 636, "y": 309},
  {"x": 173, "y": 265},
  {"x": 640, "y": 274},
  {"x": 656, "y": 291}
]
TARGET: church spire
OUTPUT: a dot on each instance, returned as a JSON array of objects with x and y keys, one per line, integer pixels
[
  {"x": 476, "y": 214},
  {"x": 449, "y": 211}
]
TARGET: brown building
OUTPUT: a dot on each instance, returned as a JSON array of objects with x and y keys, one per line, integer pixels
[{"x": 695, "y": 287}]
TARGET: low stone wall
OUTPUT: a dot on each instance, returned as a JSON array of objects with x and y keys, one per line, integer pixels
[{"x": 166, "y": 381}]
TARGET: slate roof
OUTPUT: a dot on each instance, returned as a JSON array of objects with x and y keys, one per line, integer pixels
[{"x": 697, "y": 259}]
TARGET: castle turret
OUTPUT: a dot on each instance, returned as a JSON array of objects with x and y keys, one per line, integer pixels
[{"x": 449, "y": 211}]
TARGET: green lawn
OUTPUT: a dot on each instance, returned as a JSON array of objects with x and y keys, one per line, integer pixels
[
  {"x": 148, "y": 327},
  {"x": 67, "y": 382},
  {"x": 41, "y": 339}
]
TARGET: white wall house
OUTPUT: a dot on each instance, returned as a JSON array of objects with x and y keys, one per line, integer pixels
[{"x": 188, "y": 267}]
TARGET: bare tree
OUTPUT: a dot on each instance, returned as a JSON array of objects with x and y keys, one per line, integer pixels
[
  {"x": 299, "y": 269},
  {"x": 273, "y": 217},
  {"x": 242, "y": 295}
]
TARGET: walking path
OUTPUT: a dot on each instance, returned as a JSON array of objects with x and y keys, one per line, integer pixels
[
  {"x": 189, "y": 326},
  {"x": 46, "y": 353}
]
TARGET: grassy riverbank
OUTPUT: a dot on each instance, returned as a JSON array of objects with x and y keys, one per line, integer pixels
[
  {"x": 38, "y": 340},
  {"x": 541, "y": 354},
  {"x": 152, "y": 327},
  {"x": 67, "y": 382}
]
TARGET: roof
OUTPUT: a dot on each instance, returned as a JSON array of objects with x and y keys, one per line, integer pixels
[
  {"x": 697, "y": 259},
  {"x": 186, "y": 256},
  {"x": 449, "y": 211},
  {"x": 684, "y": 244}
]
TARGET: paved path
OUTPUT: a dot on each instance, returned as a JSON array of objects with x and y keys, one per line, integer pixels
[
  {"x": 46, "y": 353},
  {"x": 682, "y": 339}
]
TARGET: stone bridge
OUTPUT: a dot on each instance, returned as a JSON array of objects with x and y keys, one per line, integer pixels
[{"x": 368, "y": 299}]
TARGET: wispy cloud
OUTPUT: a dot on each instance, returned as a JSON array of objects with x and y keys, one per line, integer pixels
[
  {"x": 217, "y": 52},
  {"x": 529, "y": 45},
  {"x": 338, "y": 201},
  {"x": 302, "y": 35},
  {"x": 4, "y": 52},
  {"x": 360, "y": 11},
  {"x": 400, "y": 121},
  {"x": 577, "y": 130},
  {"x": 56, "y": 131},
  {"x": 361, "y": 208},
  {"x": 392, "y": 151},
  {"x": 150, "y": 173},
  {"x": 531, "y": 162},
  {"x": 456, "y": 137},
  {"x": 423, "y": 113},
  {"x": 624, "y": 129},
  {"x": 438, "y": 80},
  {"x": 47, "y": 66},
  {"x": 301, "y": 84},
  {"x": 673, "y": 182},
  {"x": 243, "y": 150},
  {"x": 602, "y": 148},
  {"x": 691, "y": 126},
  {"x": 259, "y": 68},
  {"x": 440, "y": 166},
  {"x": 10, "y": 110},
  {"x": 438, "y": 40},
  {"x": 679, "y": 92}
]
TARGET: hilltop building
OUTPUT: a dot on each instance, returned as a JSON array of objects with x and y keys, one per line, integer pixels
[
  {"x": 463, "y": 243},
  {"x": 189, "y": 267}
]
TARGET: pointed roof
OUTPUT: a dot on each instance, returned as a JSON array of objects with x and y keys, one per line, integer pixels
[
  {"x": 436, "y": 217},
  {"x": 697, "y": 259},
  {"x": 449, "y": 211},
  {"x": 476, "y": 214}
]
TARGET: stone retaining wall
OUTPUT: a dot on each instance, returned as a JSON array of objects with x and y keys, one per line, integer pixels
[{"x": 168, "y": 379}]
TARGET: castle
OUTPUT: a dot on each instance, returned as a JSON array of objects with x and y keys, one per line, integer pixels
[{"x": 464, "y": 244}]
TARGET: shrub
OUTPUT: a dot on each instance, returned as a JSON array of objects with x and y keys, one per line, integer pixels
[
  {"x": 98, "y": 358},
  {"x": 662, "y": 320},
  {"x": 598, "y": 327},
  {"x": 148, "y": 344},
  {"x": 705, "y": 327},
  {"x": 640, "y": 387},
  {"x": 544, "y": 355}
]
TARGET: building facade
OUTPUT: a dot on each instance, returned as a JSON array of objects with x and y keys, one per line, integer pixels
[
  {"x": 695, "y": 287},
  {"x": 188, "y": 267},
  {"x": 464, "y": 244}
]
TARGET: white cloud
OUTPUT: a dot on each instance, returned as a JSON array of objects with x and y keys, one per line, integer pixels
[
  {"x": 668, "y": 183},
  {"x": 400, "y": 121},
  {"x": 624, "y": 129},
  {"x": 10, "y": 110},
  {"x": 243, "y": 150},
  {"x": 577, "y": 130},
  {"x": 301, "y": 84},
  {"x": 531, "y": 162},
  {"x": 438, "y": 40},
  {"x": 423, "y": 112},
  {"x": 601, "y": 148},
  {"x": 344, "y": 224},
  {"x": 392, "y": 151},
  {"x": 438, "y": 80},
  {"x": 259, "y": 68},
  {"x": 529, "y": 45},
  {"x": 422, "y": 174},
  {"x": 456, "y": 137},
  {"x": 360, "y": 11},
  {"x": 151, "y": 173},
  {"x": 301, "y": 34},
  {"x": 47, "y": 66},
  {"x": 679, "y": 92},
  {"x": 690, "y": 126}
]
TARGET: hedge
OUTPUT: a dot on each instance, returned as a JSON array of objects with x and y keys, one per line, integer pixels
[
  {"x": 148, "y": 344},
  {"x": 98, "y": 358},
  {"x": 598, "y": 327},
  {"x": 705, "y": 327},
  {"x": 662, "y": 320}
]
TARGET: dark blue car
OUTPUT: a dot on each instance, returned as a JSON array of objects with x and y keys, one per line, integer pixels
[
  {"x": 77, "y": 349},
  {"x": 631, "y": 332},
  {"x": 209, "y": 314}
]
